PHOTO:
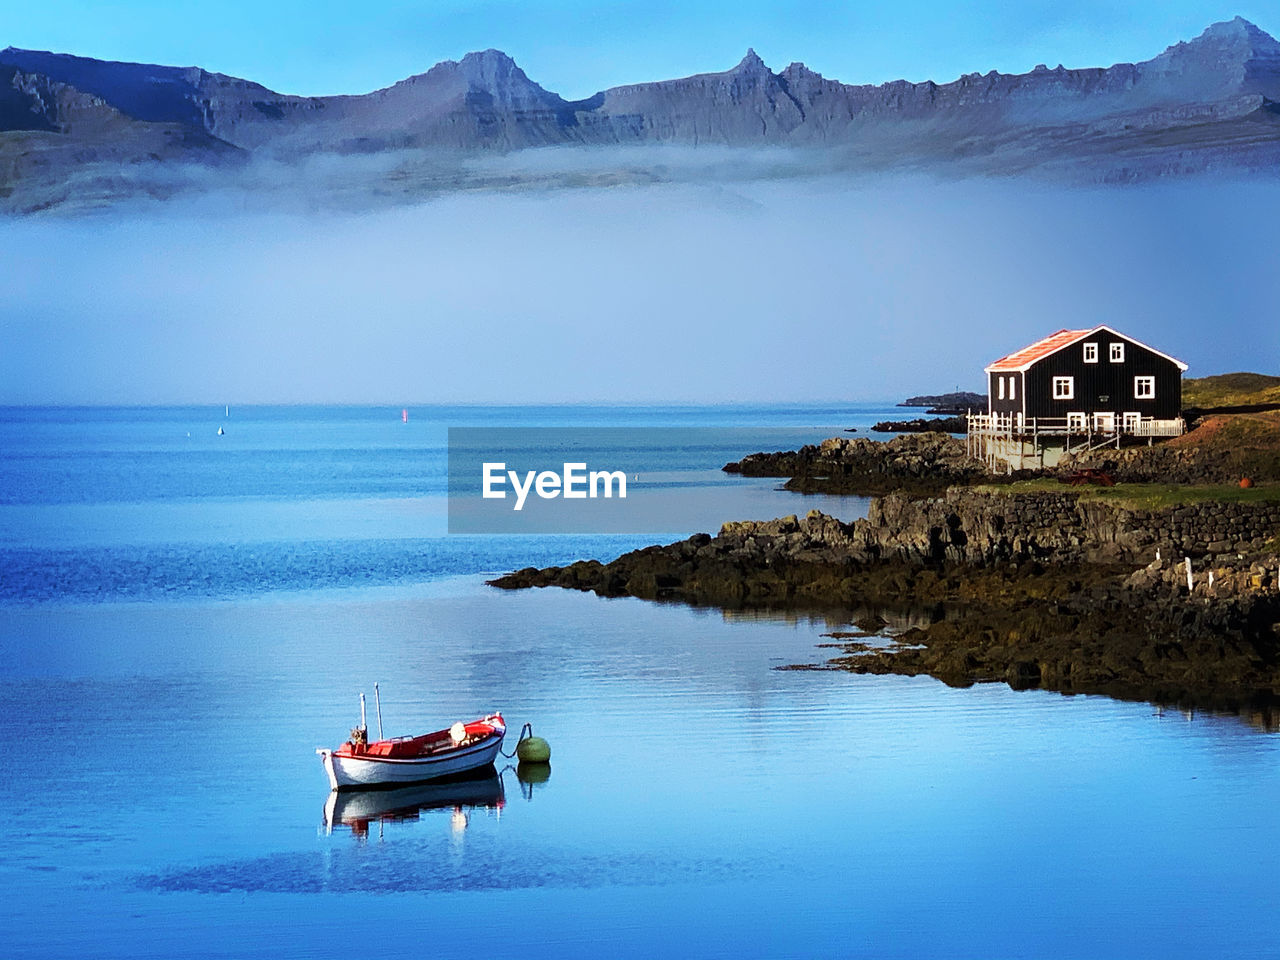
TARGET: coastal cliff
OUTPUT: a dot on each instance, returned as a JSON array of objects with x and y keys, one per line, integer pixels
[{"x": 1060, "y": 589}]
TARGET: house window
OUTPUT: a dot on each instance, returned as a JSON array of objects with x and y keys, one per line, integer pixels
[
  {"x": 1013, "y": 388},
  {"x": 1132, "y": 421},
  {"x": 1090, "y": 353},
  {"x": 999, "y": 388},
  {"x": 1064, "y": 388},
  {"x": 1144, "y": 388},
  {"x": 1075, "y": 422},
  {"x": 1117, "y": 353}
]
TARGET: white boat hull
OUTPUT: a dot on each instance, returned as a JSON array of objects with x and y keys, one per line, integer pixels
[{"x": 346, "y": 772}]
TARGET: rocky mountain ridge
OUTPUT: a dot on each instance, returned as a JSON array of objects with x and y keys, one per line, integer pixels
[{"x": 1205, "y": 104}]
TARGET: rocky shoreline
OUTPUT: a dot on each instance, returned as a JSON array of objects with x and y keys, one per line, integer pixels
[
  {"x": 949, "y": 424},
  {"x": 1061, "y": 590},
  {"x": 922, "y": 464}
]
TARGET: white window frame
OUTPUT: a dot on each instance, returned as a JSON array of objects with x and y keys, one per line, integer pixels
[
  {"x": 999, "y": 388},
  {"x": 1139, "y": 383},
  {"x": 1132, "y": 421},
  {"x": 1117, "y": 353},
  {"x": 1091, "y": 353},
  {"x": 1104, "y": 422},
  {"x": 1075, "y": 421},
  {"x": 1013, "y": 388},
  {"x": 1064, "y": 388}
]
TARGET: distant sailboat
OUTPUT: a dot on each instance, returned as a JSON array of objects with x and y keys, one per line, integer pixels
[
  {"x": 221, "y": 432},
  {"x": 404, "y": 415},
  {"x": 227, "y": 411}
]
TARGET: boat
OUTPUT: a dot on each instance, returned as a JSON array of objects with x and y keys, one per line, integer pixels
[
  {"x": 358, "y": 809},
  {"x": 396, "y": 762}
]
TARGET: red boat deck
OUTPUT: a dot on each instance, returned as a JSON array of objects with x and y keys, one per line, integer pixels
[{"x": 406, "y": 748}]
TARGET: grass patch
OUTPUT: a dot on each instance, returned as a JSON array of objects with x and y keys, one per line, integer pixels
[
  {"x": 1230, "y": 390},
  {"x": 1145, "y": 496}
]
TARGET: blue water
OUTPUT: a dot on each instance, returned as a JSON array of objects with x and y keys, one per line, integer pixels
[
  {"x": 182, "y": 621},
  {"x": 102, "y": 504}
]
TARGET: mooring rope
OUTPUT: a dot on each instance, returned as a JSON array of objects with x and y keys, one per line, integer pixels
[{"x": 525, "y": 733}]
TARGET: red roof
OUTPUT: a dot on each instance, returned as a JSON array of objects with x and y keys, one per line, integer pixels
[{"x": 1021, "y": 359}]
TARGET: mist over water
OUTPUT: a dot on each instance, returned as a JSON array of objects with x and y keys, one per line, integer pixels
[{"x": 705, "y": 289}]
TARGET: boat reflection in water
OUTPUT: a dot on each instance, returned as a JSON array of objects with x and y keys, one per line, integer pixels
[{"x": 357, "y": 809}]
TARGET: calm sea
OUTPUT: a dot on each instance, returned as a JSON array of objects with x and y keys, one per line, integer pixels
[{"x": 185, "y": 616}]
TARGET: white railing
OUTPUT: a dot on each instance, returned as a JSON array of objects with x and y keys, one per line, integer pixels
[
  {"x": 1001, "y": 425},
  {"x": 1160, "y": 428}
]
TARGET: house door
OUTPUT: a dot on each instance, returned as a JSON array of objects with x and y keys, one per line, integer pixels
[{"x": 1104, "y": 422}]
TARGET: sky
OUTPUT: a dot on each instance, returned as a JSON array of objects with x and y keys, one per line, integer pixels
[
  {"x": 578, "y": 47},
  {"x": 789, "y": 290}
]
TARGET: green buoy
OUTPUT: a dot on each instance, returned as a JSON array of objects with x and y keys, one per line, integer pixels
[{"x": 533, "y": 749}]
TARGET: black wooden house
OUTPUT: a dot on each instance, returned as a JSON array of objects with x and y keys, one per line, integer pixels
[
  {"x": 1088, "y": 380},
  {"x": 1075, "y": 390}
]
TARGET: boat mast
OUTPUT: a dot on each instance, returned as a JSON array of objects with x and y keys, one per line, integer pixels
[
  {"x": 363, "y": 725},
  {"x": 377, "y": 702}
]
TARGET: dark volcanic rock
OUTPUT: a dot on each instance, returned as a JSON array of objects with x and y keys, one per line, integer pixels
[
  {"x": 921, "y": 465},
  {"x": 923, "y": 425}
]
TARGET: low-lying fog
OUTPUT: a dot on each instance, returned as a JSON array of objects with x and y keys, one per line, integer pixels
[{"x": 833, "y": 287}]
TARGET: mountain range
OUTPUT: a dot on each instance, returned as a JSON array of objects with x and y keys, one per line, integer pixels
[{"x": 77, "y": 133}]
